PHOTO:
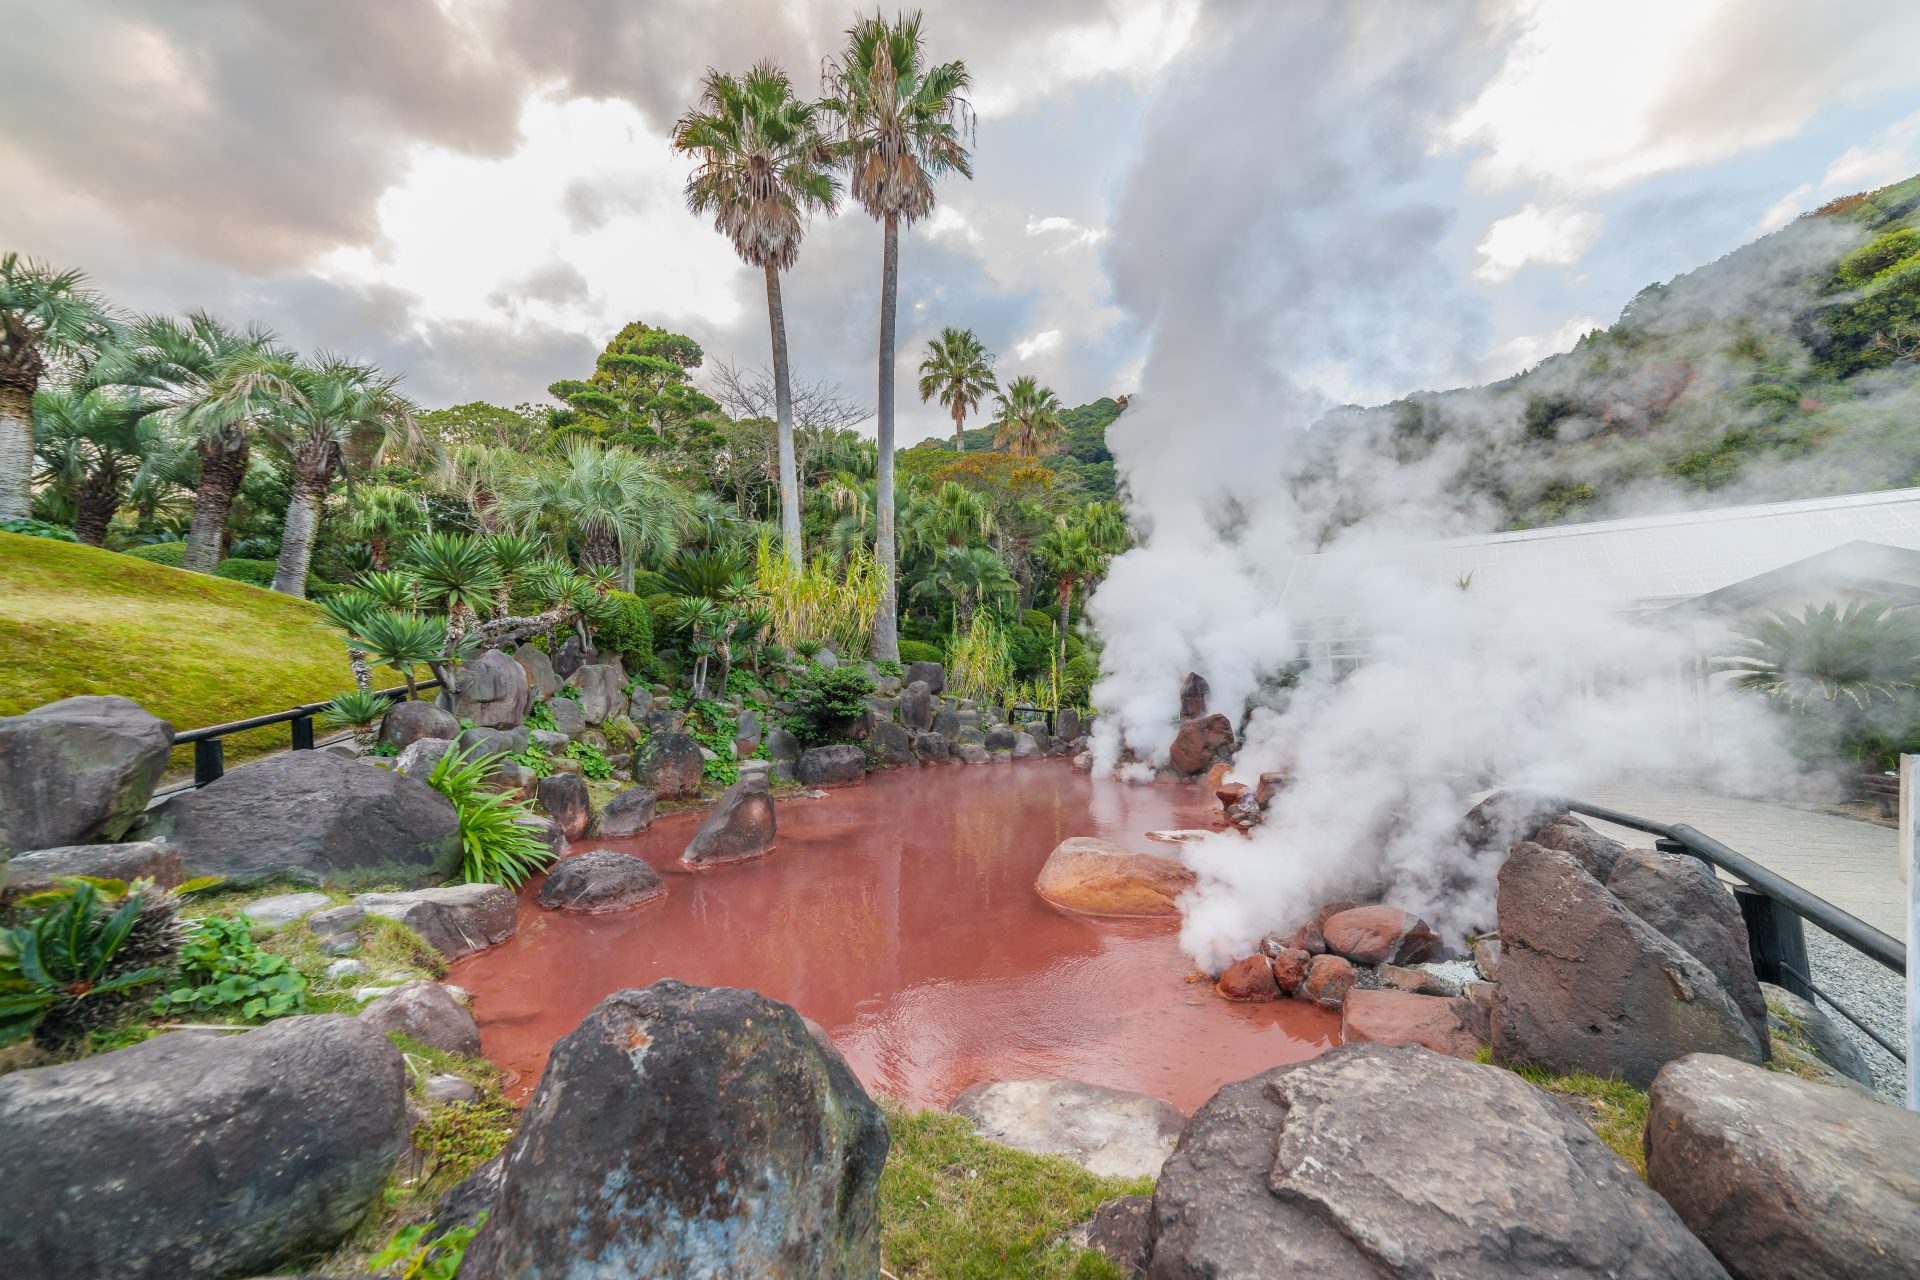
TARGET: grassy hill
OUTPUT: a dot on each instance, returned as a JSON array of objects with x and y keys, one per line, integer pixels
[{"x": 191, "y": 648}]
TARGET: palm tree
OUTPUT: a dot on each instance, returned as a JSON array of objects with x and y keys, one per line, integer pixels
[
  {"x": 1828, "y": 655},
  {"x": 969, "y": 577},
  {"x": 92, "y": 443},
  {"x": 612, "y": 499},
  {"x": 1070, "y": 556},
  {"x": 1027, "y": 418},
  {"x": 901, "y": 124},
  {"x": 764, "y": 166},
  {"x": 45, "y": 315},
  {"x": 382, "y": 516},
  {"x": 211, "y": 385},
  {"x": 336, "y": 410},
  {"x": 959, "y": 371}
]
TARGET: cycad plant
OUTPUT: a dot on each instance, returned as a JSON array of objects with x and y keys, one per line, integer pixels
[
  {"x": 87, "y": 962},
  {"x": 1856, "y": 655},
  {"x": 403, "y": 641},
  {"x": 958, "y": 372},
  {"x": 458, "y": 572},
  {"x": 347, "y": 613},
  {"x": 360, "y": 711},
  {"x": 45, "y": 315},
  {"x": 497, "y": 844},
  {"x": 514, "y": 555}
]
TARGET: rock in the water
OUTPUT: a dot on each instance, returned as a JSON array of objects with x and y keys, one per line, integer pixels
[
  {"x": 893, "y": 743},
  {"x": 600, "y": 880},
  {"x": 1067, "y": 724},
  {"x": 77, "y": 771},
  {"x": 1249, "y": 980},
  {"x": 1199, "y": 743},
  {"x": 1379, "y": 935},
  {"x": 1290, "y": 966},
  {"x": 741, "y": 825},
  {"x": 672, "y": 765},
  {"x": 427, "y": 1012},
  {"x": 1105, "y": 878},
  {"x": 494, "y": 693},
  {"x": 930, "y": 748},
  {"x": 311, "y": 816},
  {"x": 1107, "y": 1131},
  {"x": 284, "y": 908},
  {"x": 546, "y": 831},
  {"x": 198, "y": 1154},
  {"x": 42, "y": 868},
  {"x": 1391, "y": 1163},
  {"x": 542, "y": 680},
  {"x": 916, "y": 706},
  {"x": 1329, "y": 979},
  {"x": 971, "y": 753},
  {"x": 568, "y": 718},
  {"x": 1193, "y": 696},
  {"x": 408, "y": 722},
  {"x": 1586, "y": 984},
  {"x": 830, "y": 765},
  {"x": 1442, "y": 1024},
  {"x": 1025, "y": 746},
  {"x": 931, "y": 674},
  {"x": 687, "y": 1131},
  {"x": 1784, "y": 1178},
  {"x": 565, "y": 798},
  {"x": 1682, "y": 898},
  {"x": 628, "y": 814},
  {"x": 1000, "y": 738},
  {"x": 600, "y": 685},
  {"x": 455, "y": 920}
]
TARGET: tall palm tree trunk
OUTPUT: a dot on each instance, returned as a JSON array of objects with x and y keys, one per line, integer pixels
[
  {"x": 783, "y": 407},
  {"x": 959, "y": 440},
  {"x": 16, "y": 450},
  {"x": 886, "y": 622},
  {"x": 223, "y": 465},
  {"x": 599, "y": 548},
  {"x": 1066, "y": 605},
  {"x": 98, "y": 499},
  {"x": 312, "y": 477}
]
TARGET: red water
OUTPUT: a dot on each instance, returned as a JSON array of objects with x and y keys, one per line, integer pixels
[{"x": 900, "y": 915}]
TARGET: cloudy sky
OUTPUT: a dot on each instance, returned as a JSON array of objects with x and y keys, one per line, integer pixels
[{"x": 479, "y": 192}]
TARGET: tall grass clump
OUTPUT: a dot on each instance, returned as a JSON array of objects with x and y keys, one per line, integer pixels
[
  {"x": 980, "y": 664},
  {"x": 496, "y": 846},
  {"x": 821, "y": 601}
]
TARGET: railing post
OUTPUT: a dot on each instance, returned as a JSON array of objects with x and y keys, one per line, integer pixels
[
  {"x": 302, "y": 733},
  {"x": 1776, "y": 940},
  {"x": 209, "y": 761}
]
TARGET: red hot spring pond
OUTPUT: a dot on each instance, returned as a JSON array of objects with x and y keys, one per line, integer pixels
[{"x": 900, "y": 914}]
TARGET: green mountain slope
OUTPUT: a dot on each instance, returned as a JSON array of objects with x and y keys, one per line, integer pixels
[{"x": 1085, "y": 458}]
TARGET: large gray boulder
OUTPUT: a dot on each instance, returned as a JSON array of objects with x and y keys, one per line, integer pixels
[
  {"x": 310, "y": 816},
  {"x": 494, "y": 693},
  {"x": 42, "y": 868},
  {"x": 455, "y": 919},
  {"x": 628, "y": 813},
  {"x": 1784, "y": 1178},
  {"x": 688, "y": 1131},
  {"x": 600, "y": 880},
  {"x": 1110, "y": 1132},
  {"x": 916, "y": 706},
  {"x": 1801, "y": 1030},
  {"x": 930, "y": 748},
  {"x": 671, "y": 765},
  {"x": 931, "y": 674},
  {"x": 565, "y": 798},
  {"x": 1585, "y": 984},
  {"x": 893, "y": 744},
  {"x": 427, "y": 1012},
  {"x": 408, "y": 722},
  {"x": 568, "y": 718},
  {"x": 542, "y": 680},
  {"x": 1397, "y": 1162},
  {"x": 197, "y": 1154},
  {"x": 741, "y": 826},
  {"x": 1682, "y": 898},
  {"x": 77, "y": 771},
  {"x": 417, "y": 759},
  {"x": 601, "y": 685},
  {"x": 827, "y": 766}
]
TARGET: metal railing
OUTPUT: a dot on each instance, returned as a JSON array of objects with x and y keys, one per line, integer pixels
[
  {"x": 209, "y": 749},
  {"x": 1775, "y": 910}
]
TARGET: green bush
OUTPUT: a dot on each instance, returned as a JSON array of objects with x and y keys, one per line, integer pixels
[
  {"x": 38, "y": 529},
  {"x": 222, "y": 970},
  {"x": 626, "y": 630},
  {"x": 919, "y": 651},
  {"x": 660, "y": 607},
  {"x": 830, "y": 701},
  {"x": 255, "y": 573},
  {"x": 594, "y": 764},
  {"x": 1076, "y": 683},
  {"x": 170, "y": 554},
  {"x": 495, "y": 846},
  {"x": 1032, "y": 652},
  {"x": 647, "y": 584}
]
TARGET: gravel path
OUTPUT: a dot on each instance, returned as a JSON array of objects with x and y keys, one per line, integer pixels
[{"x": 1874, "y": 994}]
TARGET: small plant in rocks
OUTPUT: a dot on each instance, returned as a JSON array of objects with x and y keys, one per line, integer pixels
[
  {"x": 593, "y": 762},
  {"x": 495, "y": 845},
  {"x": 86, "y": 961},
  {"x": 416, "y": 1254},
  {"x": 223, "y": 971}
]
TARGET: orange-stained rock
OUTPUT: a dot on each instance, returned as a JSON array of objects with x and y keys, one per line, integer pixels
[
  {"x": 1439, "y": 1023},
  {"x": 1230, "y": 793},
  {"x": 1380, "y": 935},
  {"x": 1271, "y": 784},
  {"x": 1105, "y": 878},
  {"x": 1198, "y": 743},
  {"x": 1309, "y": 939},
  {"x": 1217, "y": 776},
  {"x": 1249, "y": 981},
  {"x": 1328, "y": 980},
  {"x": 1290, "y": 968}
]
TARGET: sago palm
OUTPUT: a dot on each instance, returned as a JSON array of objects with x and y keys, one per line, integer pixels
[
  {"x": 45, "y": 316},
  {"x": 1027, "y": 418},
  {"x": 1856, "y": 655},
  {"x": 403, "y": 641},
  {"x": 613, "y": 500},
  {"x": 958, "y": 371},
  {"x": 901, "y": 123},
  {"x": 348, "y": 612},
  {"x": 92, "y": 442},
  {"x": 763, "y": 168},
  {"x": 456, "y": 571}
]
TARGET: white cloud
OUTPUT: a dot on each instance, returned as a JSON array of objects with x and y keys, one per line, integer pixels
[
  {"x": 1784, "y": 210},
  {"x": 1068, "y": 233},
  {"x": 948, "y": 223},
  {"x": 1552, "y": 237},
  {"x": 1039, "y": 344},
  {"x": 1894, "y": 155},
  {"x": 1529, "y": 349},
  {"x": 1135, "y": 40}
]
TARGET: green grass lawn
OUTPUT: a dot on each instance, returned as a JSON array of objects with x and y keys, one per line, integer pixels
[{"x": 191, "y": 648}]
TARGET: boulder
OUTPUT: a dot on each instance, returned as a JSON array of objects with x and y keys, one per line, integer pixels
[
  {"x": 494, "y": 693},
  {"x": 418, "y": 759},
  {"x": 782, "y": 745},
  {"x": 916, "y": 706},
  {"x": 946, "y": 723},
  {"x": 1442, "y": 1024},
  {"x": 41, "y": 869},
  {"x": 1594, "y": 851},
  {"x": 1121, "y": 1229},
  {"x": 672, "y": 765},
  {"x": 1109, "y": 1132},
  {"x": 830, "y": 765},
  {"x": 1795, "y": 1023},
  {"x": 573, "y": 652},
  {"x": 1025, "y": 747},
  {"x": 746, "y": 733},
  {"x": 198, "y": 1154},
  {"x": 1682, "y": 898},
  {"x": 639, "y": 705},
  {"x": 1000, "y": 738},
  {"x": 628, "y": 814},
  {"x": 1505, "y": 818},
  {"x": 77, "y": 771},
  {"x": 601, "y": 686},
  {"x": 542, "y": 680},
  {"x": 1486, "y": 957},
  {"x": 1199, "y": 742},
  {"x": 408, "y": 722},
  {"x": 1067, "y": 724},
  {"x": 930, "y": 748},
  {"x": 1379, "y": 935},
  {"x": 455, "y": 920},
  {"x": 444, "y": 1089},
  {"x": 1395, "y": 1163},
  {"x": 931, "y": 674},
  {"x": 1586, "y": 984},
  {"x": 1193, "y": 696},
  {"x": 284, "y": 908},
  {"x": 546, "y": 831},
  {"x": 893, "y": 744},
  {"x": 683, "y": 1131},
  {"x": 427, "y": 1012},
  {"x": 1329, "y": 979},
  {"x": 550, "y": 741},
  {"x": 740, "y": 826},
  {"x": 568, "y": 718},
  {"x": 565, "y": 798},
  {"x": 1249, "y": 980},
  {"x": 970, "y": 753},
  {"x": 1099, "y": 877},
  {"x": 311, "y": 816},
  {"x": 600, "y": 880},
  {"x": 1784, "y": 1178}
]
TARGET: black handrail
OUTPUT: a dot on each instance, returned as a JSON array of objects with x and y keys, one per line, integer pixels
[{"x": 209, "y": 752}]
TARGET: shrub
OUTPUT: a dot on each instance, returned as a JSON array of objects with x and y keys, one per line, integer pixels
[
  {"x": 830, "y": 701},
  {"x": 495, "y": 848},
  {"x": 419, "y": 1254},
  {"x": 918, "y": 651},
  {"x": 38, "y": 529},
  {"x": 593, "y": 763},
  {"x": 627, "y": 629},
  {"x": 222, "y": 970},
  {"x": 255, "y": 573},
  {"x": 171, "y": 554},
  {"x": 1076, "y": 686},
  {"x": 663, "y": 613},
  {"x": 647, "y": 584},
  {"x": 86, "y": 963}
]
